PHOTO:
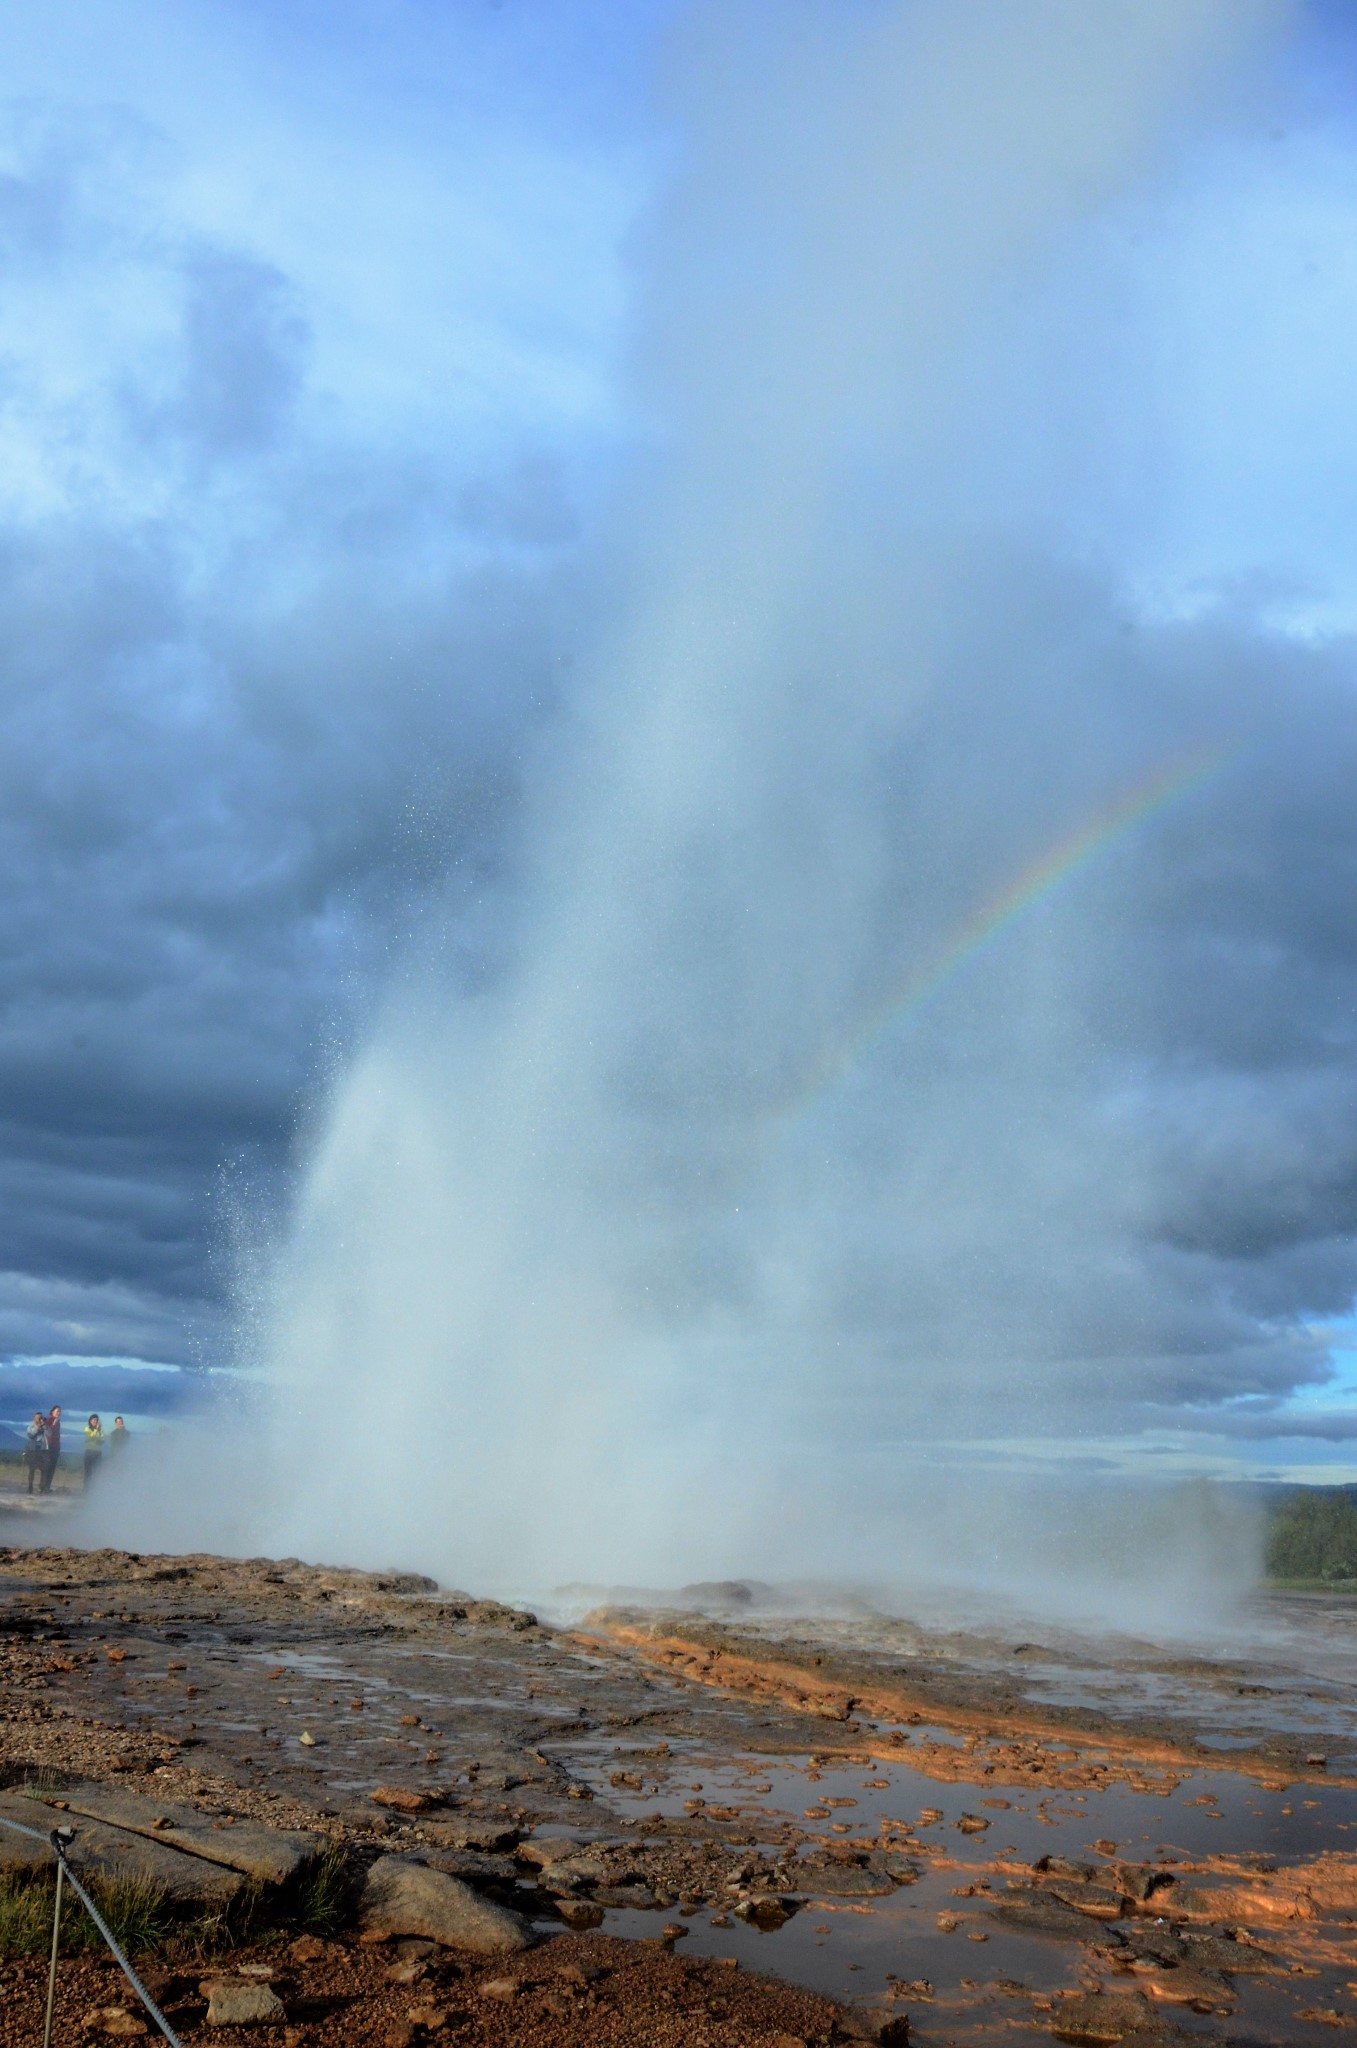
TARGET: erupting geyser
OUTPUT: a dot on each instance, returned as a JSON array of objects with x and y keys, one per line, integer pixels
[{"x": 570, "y": 1291}]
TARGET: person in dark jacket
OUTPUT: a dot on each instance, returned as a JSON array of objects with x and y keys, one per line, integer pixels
[
  {"x": 35, "y": 1447},
  {"x": 52, "y": 1456}
]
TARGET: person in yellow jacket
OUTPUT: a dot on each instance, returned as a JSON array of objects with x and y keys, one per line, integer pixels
[{"x": 94, "y": 1447}]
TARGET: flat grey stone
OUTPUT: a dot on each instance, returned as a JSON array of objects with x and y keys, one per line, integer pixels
[
  {"x": 481, "y": 1870},
  {"x": 109, "y": 1852},
  {"x": 1041, "y": 1913},
  {"x": 270, "y": 1855},
  {"x": 404, "y": 1897},
  {"x": 842, "y": 1880},
  {"x": 482, "y": 1837},
  {"x": 20, "y": 1857},
  {"x": 231, "y": 2003}
]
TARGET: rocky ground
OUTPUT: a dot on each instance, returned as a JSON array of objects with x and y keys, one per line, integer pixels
[{"x": 359, "y": 1808}]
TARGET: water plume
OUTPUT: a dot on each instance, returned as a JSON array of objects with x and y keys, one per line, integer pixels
[{"x": 550, "y": 1307}]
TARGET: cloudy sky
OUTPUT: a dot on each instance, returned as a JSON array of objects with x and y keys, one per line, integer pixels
[
  {"x": 307, "y": 335},
  {"x": 332, "y": 342}
]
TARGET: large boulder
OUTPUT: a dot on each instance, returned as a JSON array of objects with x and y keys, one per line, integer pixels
[{"x": 404, "y": 1897}]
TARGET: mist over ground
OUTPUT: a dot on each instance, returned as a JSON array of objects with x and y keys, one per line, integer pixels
[{"x": 850, "y": 1067}]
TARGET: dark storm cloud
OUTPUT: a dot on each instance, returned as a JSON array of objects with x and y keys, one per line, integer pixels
[{"x": 258, "y": 689}]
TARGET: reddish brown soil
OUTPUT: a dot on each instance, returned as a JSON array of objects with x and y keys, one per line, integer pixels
[{"x": 572, "y": 1991}]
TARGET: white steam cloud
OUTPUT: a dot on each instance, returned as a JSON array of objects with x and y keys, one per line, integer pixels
[{"x": 616, "y": 1264}]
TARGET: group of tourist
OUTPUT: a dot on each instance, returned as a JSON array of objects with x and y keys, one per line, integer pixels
[{"x": 42, "y": 1446}]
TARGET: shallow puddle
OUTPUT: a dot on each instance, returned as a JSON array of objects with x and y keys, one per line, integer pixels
[{"x": 982, "y": 1973}]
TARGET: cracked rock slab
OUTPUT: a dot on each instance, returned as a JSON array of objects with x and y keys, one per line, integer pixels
[{"x": 269, "y": 1855}]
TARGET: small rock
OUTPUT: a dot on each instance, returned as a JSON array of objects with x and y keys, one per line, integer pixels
[
  {"x": 431, "y": 2017},
  {"x": 580, "y": 1975},
  {"x": 399, "y": 1800},
  {"x": 894, "y": 2032},
  {"x": 1097, "y": 1900},
  {"x": 409, "y": 1720},
  {"x": 501, "y": 1989},
  {"x": 116, "y": 1656},
  {"x": 399, "y": 2035},
  {"x": 673, "y": 1930},
  {"x": 306, "y": 1949},
  {"x": 1095, "y": 2022},
  {"x": 580, "y": 1914},
  {"x": 164, "y": 1986},
  {"x": 235, "y": 2003},
  {"x": 307, "y": 1739},
  {"x": 406, "y": 1973},
  {"x": 972, "y": 1824},
  {"x": 116, "y": 2021},
  {"x": 948, "y": 1923},
  {"x": 485, "y": 1837},
  {"x": 765, "y": 1911}
]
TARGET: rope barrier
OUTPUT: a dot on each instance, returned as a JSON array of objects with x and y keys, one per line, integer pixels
[{"x": 54, "y": 1840}]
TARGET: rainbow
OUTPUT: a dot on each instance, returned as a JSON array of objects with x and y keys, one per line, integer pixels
[{"x": 988, "y": 924}]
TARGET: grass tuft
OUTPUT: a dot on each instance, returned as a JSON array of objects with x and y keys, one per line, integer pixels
[
  {"x": 324, "y": 1899},
  {"x": 25, "y": 1916},
  {"x": 137, "y": 1911}
]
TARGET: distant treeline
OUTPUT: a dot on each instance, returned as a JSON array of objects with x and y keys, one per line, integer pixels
[{"x": 1313, "y": 1535}]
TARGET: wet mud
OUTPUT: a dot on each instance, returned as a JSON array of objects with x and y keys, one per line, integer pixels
[{"x": 888, "y": 1820}]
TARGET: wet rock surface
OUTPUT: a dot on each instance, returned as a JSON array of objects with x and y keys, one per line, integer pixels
[{"x": 944, "y": 1880}]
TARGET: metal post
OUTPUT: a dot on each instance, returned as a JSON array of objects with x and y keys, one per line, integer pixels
[{"x": 52, "y": 1968}]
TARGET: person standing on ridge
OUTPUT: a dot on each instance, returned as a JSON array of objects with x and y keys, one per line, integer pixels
[
  {"x": 35, "y": 1447},
  {"x": 118, "y": 1438},
  {"x": 52, "y": 1455},
  {"x": 94, "y": 1448}
]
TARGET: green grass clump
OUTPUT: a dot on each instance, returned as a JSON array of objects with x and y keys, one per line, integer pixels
[
  {"x": 137, "y": 1911},
  {"x": 143, "y": 1921},
  {"x": 324, "y": 1899},
  {"x": 25, "y": 1916}
]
